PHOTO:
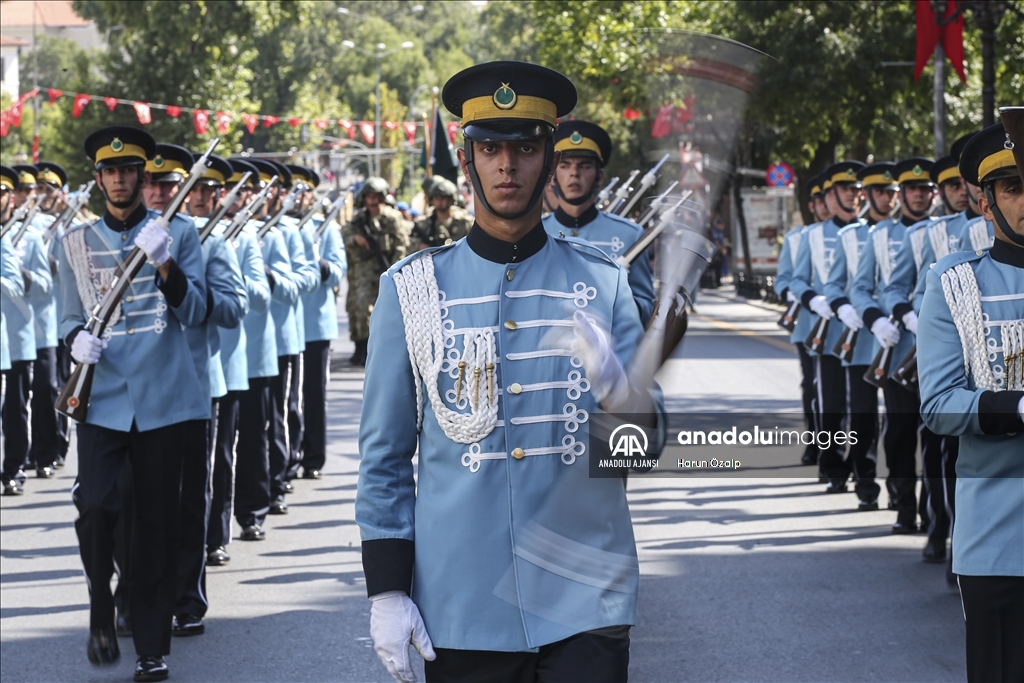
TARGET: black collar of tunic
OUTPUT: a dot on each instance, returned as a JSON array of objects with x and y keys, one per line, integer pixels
[
  {"x": 969, "y": 213},
  {"x": 908, "y": 221},
  {"x": 576, "y": 221},
  {"x": 1004, "y": 252},
  {"x": 134, "y": 218},
  {"x": 500, "y": 251}
]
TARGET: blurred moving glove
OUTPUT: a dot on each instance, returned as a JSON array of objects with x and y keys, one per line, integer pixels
[
  {"x": 885, "y": 332},
  {"x": 910, "y": 322},
  {"x": 820, "y": 306},
  {"x": 848, "y": 314},
  {"x": 395, "y": 621},
  {"x": 607, "y": 378}
]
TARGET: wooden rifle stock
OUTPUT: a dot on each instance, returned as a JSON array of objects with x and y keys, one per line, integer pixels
[
  {"x": 788, "y": 319},
  {"x": 815, "y": 342},
  {"x": 843, "y": 350},
  {"x": 906, "y": 372},
  {"x": 878, "y": 372}
]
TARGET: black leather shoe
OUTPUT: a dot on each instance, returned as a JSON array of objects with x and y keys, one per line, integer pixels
[
  {"x": 809, "y": 458},
  {"x": 279, "y": 507},
  {"x": 58, "y": 464},
  {"x": 253, "y": 532},
  {"x": 187, "y": 625},
  {"x": 217, "y": 557},
  {"x": 44, "y": 472},
  {"x": 934, "y": 551},
  {"x": 867, "y": 505},
  {"x": 951, "y": 578},
  {"x": 13, "y": 488},
  {"x": 833, "y": 487},
  {"x": 149, "y": 668},
  {"x": 103, "y": 648},
  {"x": 904, "y": 528},
  {"x": 311, "y": 474},
  {"x": 124, "y": 625},
  {"x": 289, "y": 487}
]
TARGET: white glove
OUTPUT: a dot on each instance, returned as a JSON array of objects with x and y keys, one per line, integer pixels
[
  {"x": 910, "y": 322},
  {"x": 607, "y": 378},
  {"x": 395, "y": 621},
  {"x": 790, "y": 297},
  {"x": 885, "y": 332},
  {"x": 1020, "y": 408},
  {"x": 848, "y": 314},
  {"x": 155, "y": 241},
  {"x": 86, "y": 348},
  {"x": 820, "y": 306}
]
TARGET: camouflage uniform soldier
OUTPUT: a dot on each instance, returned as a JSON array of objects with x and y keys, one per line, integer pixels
[
  {"x": 375, "y": 238},
  {"x": 446, "y": 222}
]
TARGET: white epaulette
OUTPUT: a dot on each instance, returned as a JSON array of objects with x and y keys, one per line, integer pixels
[
  {"x": 980, "y": 238},
  {"x": 816, "y": 241},
  {"x": 794, "y": 244}
]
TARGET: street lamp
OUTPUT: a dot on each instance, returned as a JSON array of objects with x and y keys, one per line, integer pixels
[{"x": 380, "y": 53}]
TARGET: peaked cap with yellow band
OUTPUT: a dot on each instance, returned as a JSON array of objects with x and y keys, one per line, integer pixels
[
  {"x": 841, "y": 172},
  {"x": 9, "y": 178},
  {"x": 240, "y": 167},
  {"x": 170, "y": 164},
  {"x": 218, "y": 171},
  {"x": 814, "y": 184},
  {"x": 583, "y": 138},
  {"x": 988, "y": 157},
  {"x": 880, "y": 175},
  {"x": 305, "y": 175},
  {"x": 119, "y": 146},
  {"x": 268, "y": 169},
  {"x": 52, "y": 174},
  {"x": 27, "y": 174},
  {"x": 508, "y": 100},
  {"x": 914, "y": 171}
]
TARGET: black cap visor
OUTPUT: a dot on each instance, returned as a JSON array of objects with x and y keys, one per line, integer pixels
[
  {"x": 119, "y": 162},
  {"x": 503, "y": 130}
]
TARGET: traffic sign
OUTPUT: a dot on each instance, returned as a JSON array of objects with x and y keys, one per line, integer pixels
[{"x": 779, "y": 174}]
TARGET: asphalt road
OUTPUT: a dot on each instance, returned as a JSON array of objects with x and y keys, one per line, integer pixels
[{"x": 743, "y": 579}]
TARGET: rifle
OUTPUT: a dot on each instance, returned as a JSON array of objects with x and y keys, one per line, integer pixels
[
  {"x": 286, "y": 205},
  {"x": 788, "y": 319},
  {"x": 336, "y": 208},
  {"x": 815, "y": 341},
  {"x": 843, "y": 350},
  {"x": 621, "y": 194},
  {"x": 650, "y": 234},
  {"x": 27, "y": 221},
  {"x": 878, "y": 372},
  {"x": 374, "y": 247},
  {"x": 226, "y": 202},
  {"x": 655, "y": 206},
  {"x": 246, "y": 213},
  {"x": 74, "y": 399},
  {"x": 75, "y": 203},
  {"x": 603, "y": 195},
  {"x": 18, "y": 215},
  {"x": 906, "y": 372},
  {"x": 646, "y": 183}
]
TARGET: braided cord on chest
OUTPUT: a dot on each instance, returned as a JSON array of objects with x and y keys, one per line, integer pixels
[{"x": 960, "y": 288}]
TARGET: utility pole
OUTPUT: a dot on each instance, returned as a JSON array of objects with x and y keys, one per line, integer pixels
[{"x": 939, "y": 96}]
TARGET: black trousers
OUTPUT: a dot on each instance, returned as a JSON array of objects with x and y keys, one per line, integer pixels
[
  {"x": 296, "y": 415},
  {"x": 585, "y": 658},
  {"x": 994, "y": 615},
  {"x": 950, "y": 453},
  {"x": 156, "y": 459},
  {"x": 315, "y": 374},
  {"x": 807, "y": 388},
  {"x": 862, "y": 412},
  {"x": 252, "y": 466},
  {"x": 280, "y": 451},
  {"x": 830, "y": 411},
  {"x": 63, "y": 375},
  {"x": 933, "y": 498},
  {"x": 15, "y": 419},
  {"x": 46, "y": 447},
  {"x": 899, "y": 438},
  {"x": 218, "y": 530},
  {"x": 190, "y": 595}
]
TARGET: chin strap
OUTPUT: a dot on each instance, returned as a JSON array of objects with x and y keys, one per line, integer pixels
[
  {"x": 131, "y": 200},
  {"x": 579, "y": 201},
  {"x": 874, "y": 207},
  {"x": 538, "y": 189},
  {"x": 835, "y": 193},
  {"x": 949, "y": 207},
  {"x": 916, "y": 215},
  {"x": 1000, "y": 218}
]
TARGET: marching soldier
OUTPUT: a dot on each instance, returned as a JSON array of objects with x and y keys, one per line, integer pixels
[
  {"x": 12, "y": 285},
  {"x": 134, "y": 414},
  {"x": 783, "y": 279},
  {"x": 971, "y": 363},
  {"x": 489, "y": 389},
  {"x": 586, "y": 150},
  {"x": 374, "y": 239},
  {"x": 445, "y": 221}
]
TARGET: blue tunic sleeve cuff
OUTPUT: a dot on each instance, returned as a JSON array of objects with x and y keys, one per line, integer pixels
[
  {"x": 175, "y": 287},
  {"x": 871, "y": 315},
  {"x": 806, "y": 298},
  {"x": 900, "y": 310},
  {"x": 209, "y": 304},
  {"x": 71, "y": 337},
  {"x": 839, "y": 303},
  {"x": 997, "y": 412},
  {"x": 387, "y": 564}
]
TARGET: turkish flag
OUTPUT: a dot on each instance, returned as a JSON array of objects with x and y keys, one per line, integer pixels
[
  {"x": 930, "y": 34},
  {"x": 269, "y": 120},
  {"x": 81, "y": 99},
  {"x": 143, "y": 112},
  {"x": 54, "y": 94},
  {"x": 295, "y": 122},
  {"x": 111, "y": 103},
  {"x": 631, "y": 114},
  {"x": 201, "y": 119},
  {"x": 366, "y": 128},
  {"x": 250, "y": 121},
  {"x": 321, "y": 124},
  {"x": 173, "y": 110},
  {"x": 410, "y": 131},
  {"x": 14, "y": 114},
  {"x": 391, "y": 125},
  {"x": 682, "y": 116},
  {"x": 348, "y": 127},
  {"x": 663, "y": 121},
  {"x": 453, "y": 130},
  {"x": 223, "y": 120}
]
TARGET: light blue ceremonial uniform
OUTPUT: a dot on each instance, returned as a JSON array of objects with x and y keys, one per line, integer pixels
[
  {"x": 21, "y": 319},
  {"x": 850, "y": 247},
  {"x": 960, "y": 390},
  {"x": 226, "y": 305},
  {"x": 614, "y": 235},
  {"x": 944, "y": 238},
  {"x": 784, "y": 280},
  {"x": 909, "y": 262},
  {"x": 146, "y": 374},
  {"x": 286, "y": 302},
  {"x": 13, "y": 288},
  {"x": 977, "y": 233},
  {"x": 515, "y": 545},
  {"x": 813, "y": 264},
  {"x": 44, "y": 297},
  {"x": 320, "y": 308},
  {"x": 877, "y": 262},
  {"x": 260, "y": 332}
]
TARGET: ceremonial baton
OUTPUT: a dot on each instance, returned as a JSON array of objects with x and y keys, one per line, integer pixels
[
  {"x": 906, "y": 372},
  {"x": 73, "y": 401},
  {"x": 226, "y": 202},
  {"x": 646, "y": 183},
  {"x": 843, "y": 350}
]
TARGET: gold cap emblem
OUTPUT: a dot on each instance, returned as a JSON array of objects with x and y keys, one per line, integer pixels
[
  {"x": 116, "y": 144},
  {"x": 504, "y": 97}
]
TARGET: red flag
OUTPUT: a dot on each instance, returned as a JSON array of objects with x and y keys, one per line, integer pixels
[
  {"x": 143, "y": 112},
  {"x": 366, "y": 128},
  {"x": 5, "y": 126},
  {"x": 250, "y": 121},
  {"x": 201, "y": 119},
  {"x": 453, "y": 130},
  {"x": 111, "y": 103},
  {"x": 269, "y": 120},
  {"x": 410, "y": 131},
  {"x": 391, "y": 125},
  {"x": 81, "y": 99},
  {"x": 54, "y": 94},
  {"x": 35, "y": 149},
  {"x": 682, "y": 116},
  {"x": 321, "y": 124},
  {"x": 173, "y": 110},
  {"x": 930, "y": 34},
  {"x": 631, "y": 114},
  {"x": 295, "y": 122},
  {"x": 663, "y": 121},
  {"x": 348, "y": 127},
  {"x": 14, "y": 113},
  {"x": 223, "y": 120}
]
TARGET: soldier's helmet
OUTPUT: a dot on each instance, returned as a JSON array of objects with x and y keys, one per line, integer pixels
[
  {"x": 444, "y": 188},
  {"x": 374, "y": 185}
]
